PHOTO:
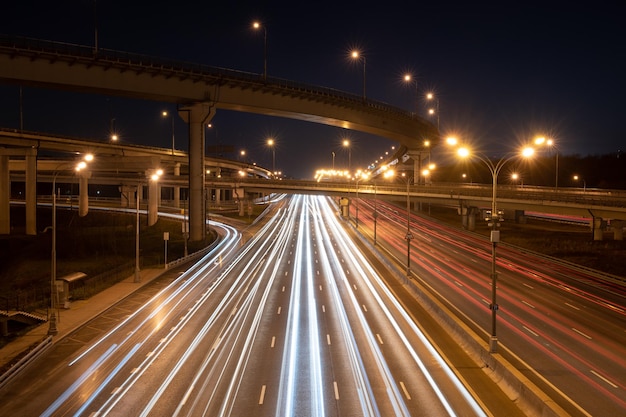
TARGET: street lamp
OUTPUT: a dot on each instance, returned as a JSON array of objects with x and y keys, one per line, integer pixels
[
  {"x": 576, "y": 178},
  {"x": 52, "y": 329},
  {"x": 271, "y": 143},
  {"x": 346, "y": 144},
  {"x": 171, "y": 116},
  {"x": 359, "y": 177},
  {"x": 408, "y": 78},
  {"x": 258, "y": 25},
  {"x": 494, "y": 220},
  {"x": 435, "y": 111},
  {"x": 154, "y": 176},
  {"x": 409, "y": 235},
  {"x": 549, "y": 142},
  {"x": 356, "y": 55}
]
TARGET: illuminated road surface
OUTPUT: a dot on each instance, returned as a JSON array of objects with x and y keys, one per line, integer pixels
[
  {"x": 293, "y": 323},
  {"x": 563, "y": 321}
]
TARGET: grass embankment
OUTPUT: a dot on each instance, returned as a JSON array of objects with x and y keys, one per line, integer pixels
[{"x": 96, "y": 243}]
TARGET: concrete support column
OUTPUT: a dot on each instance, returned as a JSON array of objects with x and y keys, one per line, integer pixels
[
  {"x": 197, "y": 115},
  {"x": 618, "y": 229},
  {"x": 471, "y": 219},
  {"x": 176, "y": 187},
  {"x": 153, "y": 202},
  {"x": 242, "y": 207},
  {"x": 83, "y": 193},
  {"x": 5, "y": 194},
  {"x": 598, "y": 228},
  {"x": 31, "y": 194},
  {"x": 127, "y": 196}
]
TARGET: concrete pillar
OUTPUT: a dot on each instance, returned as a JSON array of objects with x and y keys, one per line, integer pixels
[
  {"x": 242, "y": 207},
  {"x": 618, "y": 229},
  {"x": 598, "y": 228},
  {"x": 31, "y": 194},
  {"x": 153, "y": 202},
  {"x": 5, "y": 194},
  {"x": 83, "y": 193},
  {"x": 471, "y": 218},
  {"x": 177, "y": 188},
  {"x": 197, "y": 115},
  {"x": 127, "y": 196}
]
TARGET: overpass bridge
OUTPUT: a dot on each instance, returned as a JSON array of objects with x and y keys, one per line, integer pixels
[
  {"x": 199, "y": 91},
  {"x": 127, "y": 166},
  {"x": 599, "y": 206}
]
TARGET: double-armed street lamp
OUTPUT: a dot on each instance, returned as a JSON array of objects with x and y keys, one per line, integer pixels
[
  {"x": 493, "y": 219},
  {"x": 256, "y": 25},
  {"x": 52, "y": 329},
  {"x": 542, "y": 141}
]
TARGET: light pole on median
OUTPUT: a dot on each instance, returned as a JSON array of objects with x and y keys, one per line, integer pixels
[
  {"x": 409, "y": 235},
  {"x": 52, "y": 328},
  {"x": 494, "y": 221}
]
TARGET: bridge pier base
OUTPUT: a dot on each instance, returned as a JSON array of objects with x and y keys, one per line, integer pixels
[
  {"x": 618, "y": 229},
  {"x": 30, "y": 168},
  {"x": 598, "y": 225}
]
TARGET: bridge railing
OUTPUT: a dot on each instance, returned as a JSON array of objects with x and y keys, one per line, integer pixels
[{"x": 184, "y": 69}]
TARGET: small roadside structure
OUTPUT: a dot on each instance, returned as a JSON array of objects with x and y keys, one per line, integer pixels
[{"x": 64, "y": 285}]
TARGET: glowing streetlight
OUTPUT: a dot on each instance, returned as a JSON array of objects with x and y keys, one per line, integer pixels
[
  {"x": 494, "y": 219},
  {"x": 542, "y": 141},
  {"x": 258, "y": 25},
  {"x": 576, "y": 178},
  {"x": 52, "y": 327},
  {"x": 408, "y": 78},
  {"x": 164, "y": 113},
  {"x": 153, "y": 176},
  {"x": 346, "y": 144},
  {"x": 433, "y": 111},
  {"x": 356, "y": 55},
  {"x": 271, "y": 143}
]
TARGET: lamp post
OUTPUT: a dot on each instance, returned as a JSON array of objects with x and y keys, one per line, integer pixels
[
  {"x": 576, "y": 178},
  {"x": 375, "y": 213},
  {"x": 258, "y": 25},
  {"x": 153, "y": 177},
  {"x": 171, "y": 116},
  {"x": 356, "y": 55},
  {"x": 549, "y": 142},
  {"x": 346, "y": 144},
  {"x": 271, "y": 143},
  {"x": 409, "y": 235},
  {"x": 52, "y": 327},
  {"x": 435, "y": 111},
  {"x": 494, "y": 220},
  {"x": 408, "y": 78}
]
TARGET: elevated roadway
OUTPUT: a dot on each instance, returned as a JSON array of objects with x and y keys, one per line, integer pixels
[{"x": 199, "y": 91}]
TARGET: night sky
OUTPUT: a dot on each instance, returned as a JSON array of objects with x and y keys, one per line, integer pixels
[{"x": 504, "y": 72}]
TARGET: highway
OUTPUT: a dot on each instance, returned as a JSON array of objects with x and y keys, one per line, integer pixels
[
  {"x": 563, "y": 325},
  {"x": 296, "y": 321}
]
